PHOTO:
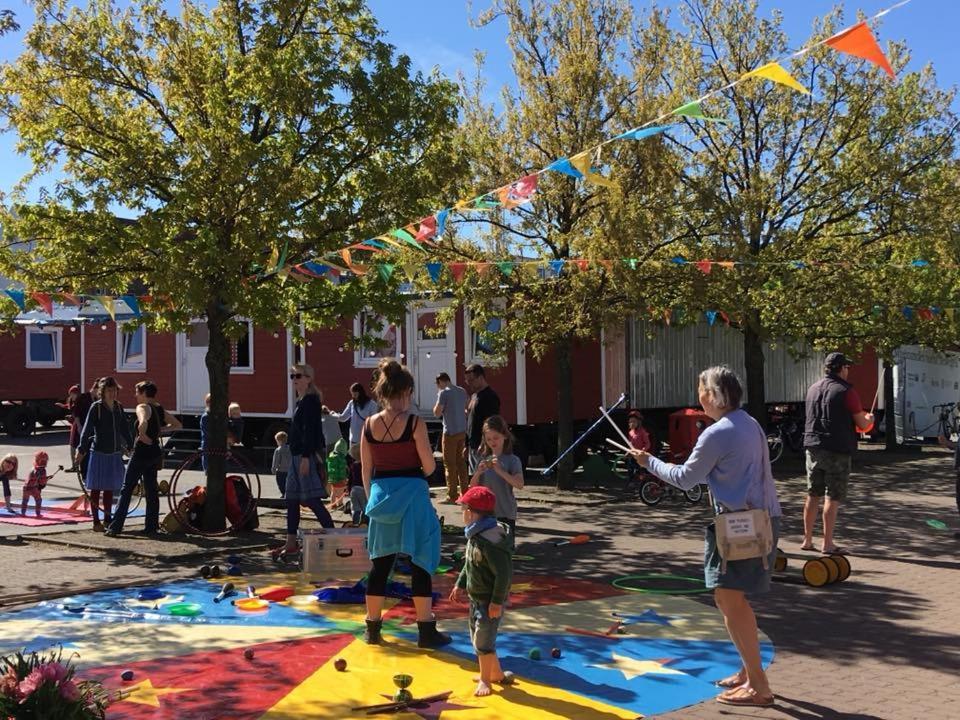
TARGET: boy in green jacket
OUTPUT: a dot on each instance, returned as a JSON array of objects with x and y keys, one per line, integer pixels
[{"x": 486, "y": 575}]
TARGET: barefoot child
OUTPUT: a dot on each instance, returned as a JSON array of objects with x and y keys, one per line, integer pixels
[
  {"x": 499, "y": 469},
  {"x": 8, "y": 471},
  {"x": 486, "y": 575},
  {"x": 281, "y": 461},
  {"x": 36, "y": 482}
]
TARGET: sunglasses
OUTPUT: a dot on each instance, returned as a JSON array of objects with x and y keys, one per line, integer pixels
[{"x": 297, "y": 376}]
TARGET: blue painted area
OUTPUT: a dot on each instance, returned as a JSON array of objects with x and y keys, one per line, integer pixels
[
  {"x": 701, "y": 663},
  {"x": 38, "y": 644},
  {"x": 110, "y": 606}
]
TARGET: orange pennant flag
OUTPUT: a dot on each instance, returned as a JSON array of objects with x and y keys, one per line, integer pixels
[
  {"x": 704, "y": 266},
  {"x": 71, "y": 298},
  {"x": 860, "y": 42},
  {"x": 608, "y": 264},
  {"x": 582, "y": 263},
  {"x": 457, "y": 270},
  {"x": 667, "y": 315},
  {"x": 728, "y": 264},
  {"x": 482, "y": 268},
  {"x": 44, "y": 300}
]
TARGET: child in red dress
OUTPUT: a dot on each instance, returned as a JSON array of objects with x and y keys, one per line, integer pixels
[{"x": 36, "y": 481}]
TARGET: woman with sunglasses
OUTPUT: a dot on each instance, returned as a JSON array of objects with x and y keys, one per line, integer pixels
[{"x": 306, "y": 484}]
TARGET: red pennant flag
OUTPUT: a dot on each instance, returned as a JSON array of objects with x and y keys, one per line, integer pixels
[
  {"x": 428, "y": 228},
  {"x": 925, "y": 313},
  {"x": 44, "y": 300},
  {"x": 582, "y": 263},
  {"x": 704, "y": 266},
  {"x": 726, "y": 318},
  {"x": 860, "y": 42},
  {"x": 457, "y": 270},
  {"x": 71, "y": 298}
]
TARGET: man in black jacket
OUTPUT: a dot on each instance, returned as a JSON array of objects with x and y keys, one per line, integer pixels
[
  {"x": 483, "y": 404},
  {"x": 834, "y": 412}
]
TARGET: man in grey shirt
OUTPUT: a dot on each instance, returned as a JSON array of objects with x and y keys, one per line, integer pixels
[{"x": 451, "y": 406}]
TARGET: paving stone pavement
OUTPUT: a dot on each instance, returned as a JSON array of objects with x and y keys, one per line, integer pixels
[{"x": 883, "y": 645}]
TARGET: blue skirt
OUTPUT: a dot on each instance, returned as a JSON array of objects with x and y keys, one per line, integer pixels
[
  {"x": 402, "y": 520},
  {"x": 304, "y": 488},
  {"x": 746, "y": 575},
  {"x": 105, "y": 471}
]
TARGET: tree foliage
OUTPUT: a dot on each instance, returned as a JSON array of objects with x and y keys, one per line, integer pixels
[{"x": 237, "y": 136}]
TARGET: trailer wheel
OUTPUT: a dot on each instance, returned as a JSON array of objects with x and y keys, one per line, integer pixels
[{"x": 21, "y": 422}]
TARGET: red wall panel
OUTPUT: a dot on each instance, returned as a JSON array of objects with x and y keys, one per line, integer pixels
[
  {"x": 17, "y": 382},
  {"x": 542, "y": 384}
]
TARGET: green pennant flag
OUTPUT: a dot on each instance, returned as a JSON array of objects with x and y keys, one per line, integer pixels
[
  {"x": 385, "y": 270},
  {"x": 506, "y": 267},
  {"x": 631, "y": 263},
  {"x": 406, "y": 237},
  {"x": 693, "y": 110}
]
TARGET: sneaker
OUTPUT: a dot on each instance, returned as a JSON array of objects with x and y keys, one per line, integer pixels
[{"x": 110, "y": 532}]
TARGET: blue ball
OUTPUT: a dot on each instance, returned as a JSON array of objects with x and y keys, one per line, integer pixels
[
  {"x": 126, "y": 675},
  {"x": 234, "y": 570}
]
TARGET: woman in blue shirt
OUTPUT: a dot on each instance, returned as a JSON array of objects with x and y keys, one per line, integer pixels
[{"x": 732, "y": 457}]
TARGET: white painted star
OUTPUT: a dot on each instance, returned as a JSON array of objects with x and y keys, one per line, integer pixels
[{"x": 631, "y": 667}]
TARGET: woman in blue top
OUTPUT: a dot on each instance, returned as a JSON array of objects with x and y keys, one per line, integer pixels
[{"x": 732, "y": 457}]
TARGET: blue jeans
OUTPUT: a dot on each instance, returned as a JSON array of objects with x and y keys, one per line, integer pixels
[
  {"x": 358, "y": 502},
  {"x": 139, "y": 469},
  {"x": 315, "y": 504},
  {"x": 282, "y": 482},
  {"x": 483, "y": 628}
]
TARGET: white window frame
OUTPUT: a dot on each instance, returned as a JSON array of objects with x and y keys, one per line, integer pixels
[
  {"x": 361, "y": 358},
  {"x": 469, "y": 338},
  {"x": 236, "y": 370},
  {"x": 122, "y": 366},
  {"x": 57, "y": 334}
]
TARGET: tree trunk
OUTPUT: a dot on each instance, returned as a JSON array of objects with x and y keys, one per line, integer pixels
[
  {"x": 218, "y": 371},
  {"x": 565, "y": 469},
  {"x": 889, "y": 411},
  {"x": 753, "y": 362}
]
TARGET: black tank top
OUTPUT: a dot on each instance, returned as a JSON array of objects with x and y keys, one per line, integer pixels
[{"x": 154, "y": 423}]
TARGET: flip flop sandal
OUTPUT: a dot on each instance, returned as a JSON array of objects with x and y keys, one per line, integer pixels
[
  {"x": 835, "y": 551},
  {"x": 730, "y": 682},
  {"x": 745, "y": 697},
  {"x": 808, "y": 548}
]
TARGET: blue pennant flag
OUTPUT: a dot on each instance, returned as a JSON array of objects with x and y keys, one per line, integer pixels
[
  {"x": 434, "y": 268},
  {"x": 920, "y": 263},
  {"x": 315, "y": 268},
  {"x": 711, "y": 316},
  {"x": 908, "y": 312},
  {"x": 678, "y": 260},
  {"x": 641, "y": 133},
  {"x": 563, "y": 166},
  {"x": 374, "y": 243},
  {"x": 557, "y": 266},
  {"x": 798, "y": 264},
  {"x": 18, "y": 296},
  {"x": 132, "y": 303},
  {"x": 442, "y": 222}
]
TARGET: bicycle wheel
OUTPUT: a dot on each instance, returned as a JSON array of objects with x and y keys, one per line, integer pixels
[
  {"x": 694, "y": 494},
  {"x": 775, "y": 443},
  {"x": 651, "y": 492}
]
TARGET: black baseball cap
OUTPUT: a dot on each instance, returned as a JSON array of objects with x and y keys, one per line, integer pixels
[{"x": 836, "y": 361}]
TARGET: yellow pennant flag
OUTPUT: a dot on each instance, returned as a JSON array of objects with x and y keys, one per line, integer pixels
[
  {"x": 274, "y": 259},
  {"x": 283, "y": 273},
  {"x": 390, "y": 240},
  {"x": 107, "y": 303},
  {"x": 410, "y": 269},
  {"x": 775, "y": 72},
  {"x": 581, "y": 161}
]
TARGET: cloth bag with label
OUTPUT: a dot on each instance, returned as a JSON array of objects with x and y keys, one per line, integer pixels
[{"x": 745, "y": 534}]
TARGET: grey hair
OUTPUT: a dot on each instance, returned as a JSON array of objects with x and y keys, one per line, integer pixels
[{"x": 723, "y": 385}]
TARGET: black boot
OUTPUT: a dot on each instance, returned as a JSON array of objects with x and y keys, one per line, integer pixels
[
  {"x": 371, "y": 636},
  {"x": 430, "y": 637}
]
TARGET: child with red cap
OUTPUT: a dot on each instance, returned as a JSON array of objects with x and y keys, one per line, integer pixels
[
  {"x": 486, "y": 576},
  {"x": 36, "y": 482}
]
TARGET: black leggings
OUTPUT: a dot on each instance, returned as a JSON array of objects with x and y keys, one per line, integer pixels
[{"x": 420, "y": 581}]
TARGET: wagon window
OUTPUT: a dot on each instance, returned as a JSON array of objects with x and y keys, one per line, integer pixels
[
  {"x": 43, "y": 348},
  {"x": 131, "y": 348}
]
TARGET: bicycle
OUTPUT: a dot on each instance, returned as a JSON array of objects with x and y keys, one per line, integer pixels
[
  {"x": 653, "y": 490},
  {"x": 785, "y": 430},
  {"x": 948, "y": 421}
]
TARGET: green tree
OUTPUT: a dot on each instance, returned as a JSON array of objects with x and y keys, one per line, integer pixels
[
  {"x": 238, "y": 136},
  {"x": 822, "y": 199},
  {"x": 572, "y": 90}
]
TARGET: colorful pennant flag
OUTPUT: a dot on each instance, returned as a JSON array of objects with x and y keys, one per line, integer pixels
[
  {"x": 482, "y": 268},
  {"x": 428, "y": 228},
  {"x": 860, "y": 42},
  {"x": 581, "y": 161},
  {"x": 506, "y": 267},
  {"x": 908, "y": 312},
  {"x": 642, "y": 132},
  {"x": 457, "y": 269},
  {"x": 704, "y": 266},
  {"x": 442, "y": 221},
  {"x": 390, "y": 240},
  {"x": 775, "y": 72},
  {"x": 694, "y": 110},
  {"x": 18, "y": 297},
  {"x": 44, "y": 300},
  {"x": 406, "y": 237},
  {"x": 71, "y": 298},
  {"x": 410, "y": 270},
  {"x": 386, "y": 270},
  {"x": 711, "y": 317},
  {"x": 582, "y": 264},
  {"x": 132, "y": 303},
  {"x": 563, "y": 165},
  {"x": 107, "y": 303},
  {"x": 434, "y": 269},
  {"x": 556, "y": 266}
]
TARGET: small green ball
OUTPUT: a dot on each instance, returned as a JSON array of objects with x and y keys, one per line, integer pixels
[
  {"x": 402, "y": 695},
  {"x": 534, "y": 654}
]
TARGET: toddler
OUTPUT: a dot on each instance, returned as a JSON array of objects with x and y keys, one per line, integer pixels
[
  {"x": 36, "y": 482},
  {"x": 486, "y": 576},
  {"x": 639, "y": 440},
  {"x": 337, "y": 472},
  {"x": 8, "y": 471},
  {"x": 281, "y": 461},
  {"x": 234, "y": 424}
]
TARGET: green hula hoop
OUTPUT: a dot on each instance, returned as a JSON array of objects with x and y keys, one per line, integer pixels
[{"x": 620, "y": 584}]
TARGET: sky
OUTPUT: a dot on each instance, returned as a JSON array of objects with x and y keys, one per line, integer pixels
[{"x": 438, "y": 33}]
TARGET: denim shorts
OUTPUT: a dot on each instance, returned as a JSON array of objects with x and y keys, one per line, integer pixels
[
  {"x": 483, "y": 628},
  {"x": 747, "y": 575}
]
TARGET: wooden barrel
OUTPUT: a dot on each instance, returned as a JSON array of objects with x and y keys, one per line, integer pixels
[
  {"x": 816, "y": 573},
  {"x": 780, "y": 564},
  {"x": 843, "y": 564},
  {"x": 833, "y": 568}
]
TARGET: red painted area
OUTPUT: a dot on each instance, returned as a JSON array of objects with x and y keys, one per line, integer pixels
[
  {"x": 18, "y": 382},
  {"x": 101, "y": 352},
  {"x": 542, "y": 384},
  {"x": 527, "y": 591},
  {"x": 221, "y": 683},
  {"x": 865, "y": 376}
]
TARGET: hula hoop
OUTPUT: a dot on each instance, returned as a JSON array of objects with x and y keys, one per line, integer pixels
[
  {"x": 249, "y": 476},
  {"x": 620, "y": 584}
]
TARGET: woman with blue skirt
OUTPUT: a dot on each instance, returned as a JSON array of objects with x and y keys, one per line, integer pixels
[
  {"x": 106, "y": 436},
  {"x": 732, "y": 457},
  {"x": 306, "y": 481},
  {"x": 396, "y": 460}
]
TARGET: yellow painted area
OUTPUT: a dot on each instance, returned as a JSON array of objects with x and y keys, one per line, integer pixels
[
  {"x": 369, "y": 676},
  {"x": 144, "y": 693}
]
